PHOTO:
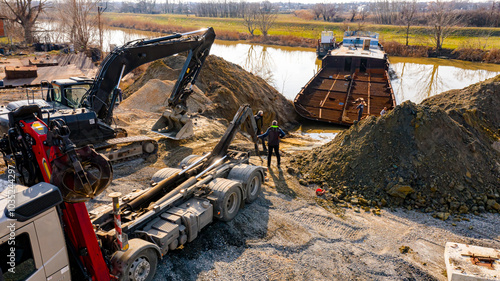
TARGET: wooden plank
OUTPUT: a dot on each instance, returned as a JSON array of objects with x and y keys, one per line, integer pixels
[{"x": 347, "y": 96}]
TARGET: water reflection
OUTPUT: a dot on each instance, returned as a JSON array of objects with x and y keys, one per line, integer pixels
[
  {"x": 285, "y": 68},
  {"x": 420, "y": 78}
]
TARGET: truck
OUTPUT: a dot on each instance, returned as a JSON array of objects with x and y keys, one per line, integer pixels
[
  {"x": 46, "y": 232},
  {"x": 86, "y": 105}
]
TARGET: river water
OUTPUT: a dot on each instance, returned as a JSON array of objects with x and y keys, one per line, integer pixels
[{"x": 288, "y": 69}]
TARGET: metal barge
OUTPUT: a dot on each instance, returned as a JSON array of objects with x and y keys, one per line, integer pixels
[{"x": 357, "y": 69}]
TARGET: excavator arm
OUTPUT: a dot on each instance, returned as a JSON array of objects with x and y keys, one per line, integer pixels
[
  {"x": 102, "y": 95},
  {"x": 243, "y": 120}
]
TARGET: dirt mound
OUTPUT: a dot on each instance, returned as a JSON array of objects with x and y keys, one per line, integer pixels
[
  {"x": 438, "y": 156},
  {"x": 227, "y": 86},
  {"x": 153, "y": 97}
]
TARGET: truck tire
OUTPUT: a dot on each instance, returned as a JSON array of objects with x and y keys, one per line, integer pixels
[
  {"x": 142, "y": 266},
  {"x": 188, "y": 160},
  {"x": 251, "y": 178},
  {"x": 164, "y": 173},
  {"x": 229, "y": 198}
]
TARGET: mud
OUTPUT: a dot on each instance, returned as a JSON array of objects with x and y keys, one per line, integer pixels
[{"x": 441, "y": 156}]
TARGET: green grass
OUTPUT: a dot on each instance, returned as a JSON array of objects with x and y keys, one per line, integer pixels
[{"x": 288, "y": 24}]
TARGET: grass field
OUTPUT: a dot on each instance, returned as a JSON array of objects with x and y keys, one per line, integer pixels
[{"x": 288, "y": 24}]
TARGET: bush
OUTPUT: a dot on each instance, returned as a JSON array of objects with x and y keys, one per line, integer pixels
[
  {"x": 470, "y": 54},
  {"x": 493, "y": 56},
  {"x": 394, "y": 48}
]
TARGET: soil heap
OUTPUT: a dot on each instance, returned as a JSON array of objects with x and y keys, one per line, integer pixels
[
  {"x": 224, "y": 87},
  {"x": 442, "y": 155}
]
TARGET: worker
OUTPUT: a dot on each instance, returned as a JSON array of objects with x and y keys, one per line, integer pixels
[
  {"x": 360, "y": 107},
  {"x": 259, "y": 120},
  {"x": 384, "y": 111},
  {"x": 275, "y": 133}
]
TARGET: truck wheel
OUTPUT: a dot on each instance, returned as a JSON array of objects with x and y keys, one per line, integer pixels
[
  {"x": 228, "y": 195},
  {"x": 188, "y": 160},
  {"x": 142, "y": 266},
  {"x": 164, "y": 173},
  {"x": 251, "y": 178},
  {"x": 253, "y": 187}
]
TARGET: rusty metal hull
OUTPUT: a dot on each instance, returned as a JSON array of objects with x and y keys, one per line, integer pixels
[{"x": 331, "y": 95}]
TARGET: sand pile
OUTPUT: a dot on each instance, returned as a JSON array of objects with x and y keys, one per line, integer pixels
[
  {"x": 226, "y": 85},
  {"x": 438, "y": 156},
  {"x": 153, "y": 96}
]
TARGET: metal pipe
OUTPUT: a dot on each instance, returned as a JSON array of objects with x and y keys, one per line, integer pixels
[
  {"x": 195, "y": 163},
  {"x": 210, "y": 167},
  {"x": 117, "y": 221},
  {"x": 121, "y": 75}
]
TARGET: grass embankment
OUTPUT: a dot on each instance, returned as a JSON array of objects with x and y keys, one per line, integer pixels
[{"x": 290, "y": 30}]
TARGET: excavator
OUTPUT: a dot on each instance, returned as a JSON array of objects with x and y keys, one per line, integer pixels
[
  {"x": 46, "y": 232},
  {"x": 86, "y": 105}
]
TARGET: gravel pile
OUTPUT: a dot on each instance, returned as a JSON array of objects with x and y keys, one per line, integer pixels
[{"x": 442, "y": 156}]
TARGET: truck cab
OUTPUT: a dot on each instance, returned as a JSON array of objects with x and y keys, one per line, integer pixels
[{"x": 32, "y": 241}]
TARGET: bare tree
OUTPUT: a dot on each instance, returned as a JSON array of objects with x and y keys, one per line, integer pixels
[
  {"x": 251, "y": 16},
  {"x": 443, "y": 20},
  {"x": 407, "y": 15},
  {"x": 317, "y": 10},
  {"x": 353, "y": 11},
  {"x": 100, "y": 26},
  {"x": 363, "y": 13},
  {"x": 328, "y": 12},
  {"x": 79, "y": 21},
  {"x": 25, "y": 13},
  {"x": 266, "y": 17},
  {"x": 385, "y": 11}
]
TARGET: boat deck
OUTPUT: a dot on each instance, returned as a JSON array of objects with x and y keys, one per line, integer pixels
[{"x": 330, "y": 96}]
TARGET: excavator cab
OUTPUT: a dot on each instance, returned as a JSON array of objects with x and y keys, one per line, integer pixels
[{"x": 69, "y": 92}]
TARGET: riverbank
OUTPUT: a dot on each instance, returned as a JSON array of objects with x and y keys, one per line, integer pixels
[{"x": 467, "y": 43}]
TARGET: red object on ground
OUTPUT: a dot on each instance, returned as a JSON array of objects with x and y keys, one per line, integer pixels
[{"x": 320, "y": 192}]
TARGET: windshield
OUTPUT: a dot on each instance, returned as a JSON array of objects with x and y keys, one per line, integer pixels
[{"x": 73, "y": 94}]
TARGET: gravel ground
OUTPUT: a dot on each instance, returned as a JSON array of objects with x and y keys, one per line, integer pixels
[{"x": 290, "y": 234}]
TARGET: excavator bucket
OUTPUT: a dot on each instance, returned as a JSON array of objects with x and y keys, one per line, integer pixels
[{"x": 174, "y": 126}]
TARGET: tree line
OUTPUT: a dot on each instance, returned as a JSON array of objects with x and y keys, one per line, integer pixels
[{"x": 80, "y": 20}]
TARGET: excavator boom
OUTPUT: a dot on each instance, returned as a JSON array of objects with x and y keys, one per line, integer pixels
[{"x": 102, "y": 95}]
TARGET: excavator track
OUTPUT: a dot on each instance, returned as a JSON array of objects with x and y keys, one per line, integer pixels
[{"x": 119, "y": 149}]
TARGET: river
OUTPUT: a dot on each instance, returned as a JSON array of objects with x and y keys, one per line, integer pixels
[{"x": 288, "y": 69}]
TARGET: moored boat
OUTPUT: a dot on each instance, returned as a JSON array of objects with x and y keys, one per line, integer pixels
[
  {"x": 355, "y": 72},
  {"x": 325, "y": 44}
]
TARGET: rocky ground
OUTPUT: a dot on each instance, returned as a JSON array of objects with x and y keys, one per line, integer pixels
[
  {"x": 289, "y": 233},
  {"x": 440, "y": 157}
]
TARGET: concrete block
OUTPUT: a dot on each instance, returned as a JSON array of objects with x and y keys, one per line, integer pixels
[{"x": 460, "y": 265}]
